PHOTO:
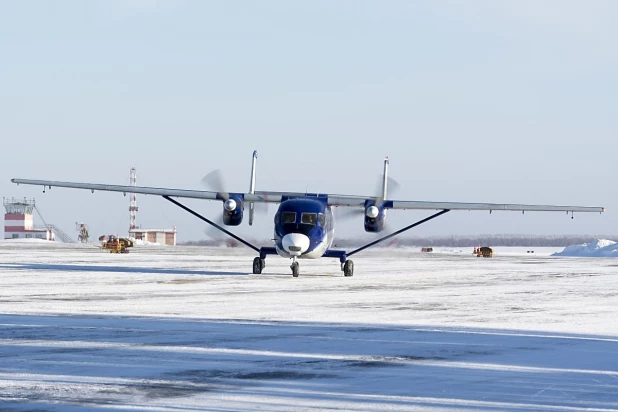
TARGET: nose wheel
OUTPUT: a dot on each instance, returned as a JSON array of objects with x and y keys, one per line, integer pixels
[
  {"x": 295, "y": 268},
  {"x": 258, "y": 265}
]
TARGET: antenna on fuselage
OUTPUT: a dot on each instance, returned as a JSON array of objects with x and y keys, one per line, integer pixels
[{"x": 252, "y": 187}]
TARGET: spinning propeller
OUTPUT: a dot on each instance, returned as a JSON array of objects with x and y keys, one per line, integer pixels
[
  {"x": 213, "y": 181},
  {"x": 373, "y": 210}
]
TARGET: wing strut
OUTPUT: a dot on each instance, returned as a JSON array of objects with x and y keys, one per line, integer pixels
[
  {"x": 210, "y": 222},
  {"x": 420, "y": 222}
]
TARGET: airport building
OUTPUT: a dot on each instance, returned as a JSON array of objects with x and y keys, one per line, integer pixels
[
  {"x": 165, "y": 237},
  {"x": 19, "y": 221}
]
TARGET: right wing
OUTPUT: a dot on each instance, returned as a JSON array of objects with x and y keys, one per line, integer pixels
[{"x": 159, "y": 191}]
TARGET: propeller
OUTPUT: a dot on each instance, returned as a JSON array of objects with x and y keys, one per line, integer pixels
[
  {"x": 213, "y": 181},
  {"x": 353, "y": 213},
  {"x": 372, "y": 211}
]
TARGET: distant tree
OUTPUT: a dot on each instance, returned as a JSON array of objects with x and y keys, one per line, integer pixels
[{"x": 444, "y": 241}]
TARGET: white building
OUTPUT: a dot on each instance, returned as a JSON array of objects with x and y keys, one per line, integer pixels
[{"x": 161, "y": 236}]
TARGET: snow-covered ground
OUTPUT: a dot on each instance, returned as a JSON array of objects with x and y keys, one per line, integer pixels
[{"x": 188, "y": 328}]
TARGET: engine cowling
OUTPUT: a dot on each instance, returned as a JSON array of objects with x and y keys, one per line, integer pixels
[
  {"x": 233, "y": 208},
  {"x": 374, "y": 216}
]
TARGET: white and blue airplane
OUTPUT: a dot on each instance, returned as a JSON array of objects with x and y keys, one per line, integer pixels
[{"x": 304, "y": 223}]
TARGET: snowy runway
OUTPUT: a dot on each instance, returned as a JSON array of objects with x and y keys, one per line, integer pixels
[{"x": 187, "y": 328}]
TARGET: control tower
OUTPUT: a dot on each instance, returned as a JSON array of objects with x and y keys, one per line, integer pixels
[{"x": 19, "y": 222}]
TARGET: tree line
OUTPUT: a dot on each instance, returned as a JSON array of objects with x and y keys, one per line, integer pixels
[{"x": 443, "y": 241}]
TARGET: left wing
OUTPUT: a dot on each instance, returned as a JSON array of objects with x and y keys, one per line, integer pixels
[
  {"x": 333, "y": 200},
  {"x": 427, "y": 205},
  {"x": 396, "y": 204}
]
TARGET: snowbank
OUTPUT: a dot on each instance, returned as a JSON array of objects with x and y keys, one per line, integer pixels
[{"x": 598, "y": 248}]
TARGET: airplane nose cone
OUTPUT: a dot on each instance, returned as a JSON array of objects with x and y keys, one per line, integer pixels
[{"x": 295, "y": 243}]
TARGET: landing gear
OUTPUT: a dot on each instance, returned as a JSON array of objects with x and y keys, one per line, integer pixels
[
  {"x": 348, "y": 268},
  {"x": 258, "y": 265},
  {"x": 295, "y": 268}
]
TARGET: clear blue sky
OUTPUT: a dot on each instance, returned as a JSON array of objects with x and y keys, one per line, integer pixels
[{"x": 509, "y": 101}]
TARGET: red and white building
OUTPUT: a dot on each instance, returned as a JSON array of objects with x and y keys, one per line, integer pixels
[{"x": 19, "y": 222}]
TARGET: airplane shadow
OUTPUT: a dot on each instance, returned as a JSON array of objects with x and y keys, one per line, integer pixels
[{"x": 118, "y": 269}]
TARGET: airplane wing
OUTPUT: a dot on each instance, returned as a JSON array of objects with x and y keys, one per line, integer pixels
[
  {"x": 357, "y": 201},
  {"x": 333, "y": 200},
  {"x": 396, "y": 204},
  {"x": 158, "y": 191}
]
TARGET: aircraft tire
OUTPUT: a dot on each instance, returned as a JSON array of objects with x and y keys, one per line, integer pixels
[
  {"x": 258, "y": 265},
  {"x": 295, "y": 269},
  {"x": 348, "y": 268}
]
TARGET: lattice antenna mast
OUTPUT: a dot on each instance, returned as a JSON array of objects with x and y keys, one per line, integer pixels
[{"x": 132, "y": 201}]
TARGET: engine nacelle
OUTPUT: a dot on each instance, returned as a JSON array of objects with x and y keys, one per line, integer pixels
[
  {"x": 374, "y": 216},
  {"x": 233, "y": 208}
]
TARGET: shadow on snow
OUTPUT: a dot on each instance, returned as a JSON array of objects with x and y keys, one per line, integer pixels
[{"x": 112, "y": 360}]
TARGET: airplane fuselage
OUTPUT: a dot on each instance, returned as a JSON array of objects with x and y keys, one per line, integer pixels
[{"x": 304, "y": 227}]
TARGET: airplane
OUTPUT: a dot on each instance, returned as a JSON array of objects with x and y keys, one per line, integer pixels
[{"x": 304, "y": 222}]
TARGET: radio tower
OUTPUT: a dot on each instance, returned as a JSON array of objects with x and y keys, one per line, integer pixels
[{"x": 133, "y": 201}]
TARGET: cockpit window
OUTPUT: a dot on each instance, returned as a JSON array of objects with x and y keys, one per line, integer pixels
[
  {"x": 288, "y": 217},
  {"x": 309, "y": 218},
  {"x": 321, "y": 219}
]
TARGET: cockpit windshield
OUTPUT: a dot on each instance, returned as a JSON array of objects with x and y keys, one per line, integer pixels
[
  {"x": 309, "y": 218},
  {"x": 288, "y": 217},
  {"x": 302, "y": 216}
]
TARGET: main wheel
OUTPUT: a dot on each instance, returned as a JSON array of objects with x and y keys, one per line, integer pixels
[
  {"x": 348, "y": 268},
  {"x": 257, "y": 265},
  {"x": 295, "y": 269}
]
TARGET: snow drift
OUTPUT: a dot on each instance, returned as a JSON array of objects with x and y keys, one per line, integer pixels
[
  {"x": 598, "y": 248},
  {"x": 141, "y": 242}
]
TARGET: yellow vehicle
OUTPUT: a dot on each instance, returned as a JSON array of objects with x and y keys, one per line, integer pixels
[
  {"x": 483, "y": 252},
  {"x": 115, "y": 244}
]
